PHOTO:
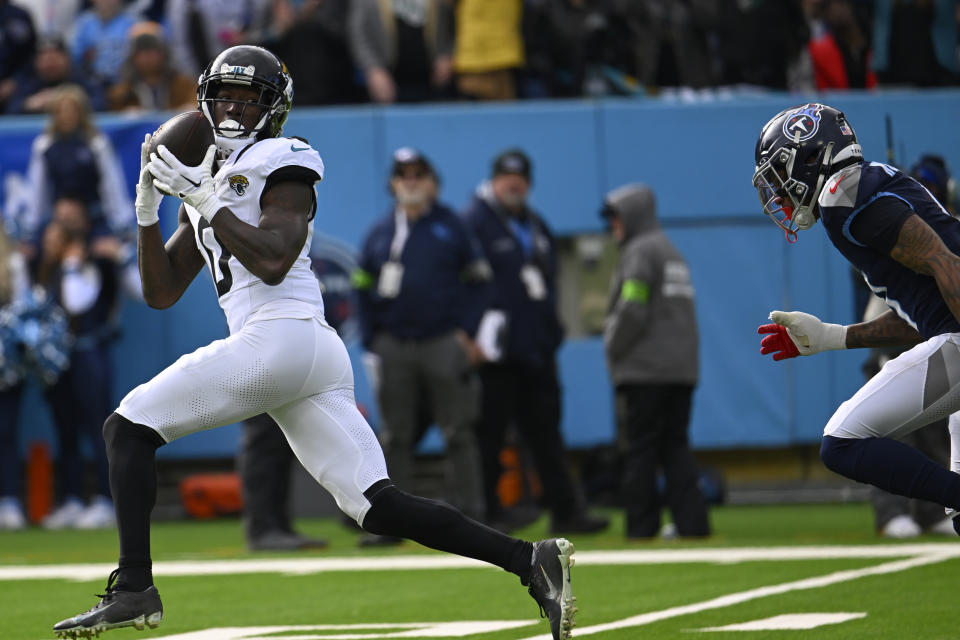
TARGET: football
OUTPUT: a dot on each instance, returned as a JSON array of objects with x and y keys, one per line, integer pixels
[{"x": 186, "y": 135}]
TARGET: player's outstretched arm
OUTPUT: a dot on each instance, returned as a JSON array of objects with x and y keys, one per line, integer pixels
[
  {"x": 886, "y": 330},
  {"x": 167, "y": 271},
  {"x": 794, "y": 333},
  {"x": 921, "y": 249}
]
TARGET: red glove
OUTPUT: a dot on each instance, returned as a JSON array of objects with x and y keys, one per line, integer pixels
[{"x": 778, "y": 342}]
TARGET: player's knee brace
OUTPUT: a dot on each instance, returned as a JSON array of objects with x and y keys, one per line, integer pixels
[
  {"x": 841, "y": 455},
  {"x": 121, "y": 436}
]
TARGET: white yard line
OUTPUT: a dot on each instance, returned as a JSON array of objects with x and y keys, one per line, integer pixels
[
  {"x": 761, "y": 592},
  {"x": 302, "y": 566}
]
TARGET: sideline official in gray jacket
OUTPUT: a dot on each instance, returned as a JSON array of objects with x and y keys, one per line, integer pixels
[{"x": 650, "y": 339}]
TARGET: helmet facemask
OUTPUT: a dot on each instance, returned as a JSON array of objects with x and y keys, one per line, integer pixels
[
  {"x": 273, "y": 101},
  {"x": 785, "y": 191}
]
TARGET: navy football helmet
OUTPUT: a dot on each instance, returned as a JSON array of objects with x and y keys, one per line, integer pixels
[
  {"x": 798, "y": 149},
  {"x": 254, "y": 67}
]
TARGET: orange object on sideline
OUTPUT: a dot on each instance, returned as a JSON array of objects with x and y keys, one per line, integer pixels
[
  {"x": 209, "y": 495},
  {"x": 510, "y": 487},
  {"x": 39, "y": 481}
]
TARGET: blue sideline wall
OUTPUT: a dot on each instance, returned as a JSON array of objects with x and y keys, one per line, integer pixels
[{"x": 698, "y": 156}]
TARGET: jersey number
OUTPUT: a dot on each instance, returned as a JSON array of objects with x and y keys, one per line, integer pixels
[{"x": 217, "y": 257}]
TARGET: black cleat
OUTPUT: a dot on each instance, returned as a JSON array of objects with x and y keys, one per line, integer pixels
[
  {"x": 116, "y": 609},
  {"x": 550, "y": 584}
]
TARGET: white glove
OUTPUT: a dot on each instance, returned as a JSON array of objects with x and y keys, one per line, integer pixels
[
  {"x": 193, "y": 185},
  {"x": 809, "y": 333},
  {"x": 148, "y": 198}
]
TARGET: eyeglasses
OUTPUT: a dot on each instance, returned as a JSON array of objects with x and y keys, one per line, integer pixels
[{"x": 411, "y": 175}]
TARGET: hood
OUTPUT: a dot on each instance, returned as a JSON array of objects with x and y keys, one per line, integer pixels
[{"x": 636, "y": 207}]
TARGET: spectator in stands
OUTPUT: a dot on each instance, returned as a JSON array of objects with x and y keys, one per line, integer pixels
[
  {"x": 759, "y": 42},
  {"x": 148, "y": 81},
  {"x": 312, "y": 39},
  {"x": 651, "y": 340},
  {"x": 86, "y": 288},
  {"x": 519, "y": 382},
  {"x": 915, "y": 42},
  {"x": 575, "y": 47},
  {"x": 672, "y": 42},
  {"x": 52, "y": 18},
  {"x": 841, "y": 56},
  {"x": 13, "y": 284},
  {"x": 72, "y": 157},
  {"x": 200, "y": 29},
  {"x": 423, "y": 284},
  {"x": 264, "y": 463},
  {"x": 52, "y": 68},
  {"x": 100, "y": 40},
  {"x": 17, "y": 43},
  {"x": 488, "y": 49},
  {"x": 403, "y": 49}
]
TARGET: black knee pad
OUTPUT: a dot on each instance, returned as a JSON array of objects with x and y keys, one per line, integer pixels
[
  {"x": 117, "y": 431},
  {"x": 840, "y": 455}
]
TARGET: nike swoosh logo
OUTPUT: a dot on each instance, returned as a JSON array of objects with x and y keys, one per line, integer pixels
[
  {"x": 553, "y": 588},
  {"x": 195, "y": 184},
  {"x": 294, "y": 148},
  {"x": 833, "y": 189}
]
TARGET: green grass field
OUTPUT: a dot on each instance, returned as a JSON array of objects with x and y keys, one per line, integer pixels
[{"x": 773, "y": 569}]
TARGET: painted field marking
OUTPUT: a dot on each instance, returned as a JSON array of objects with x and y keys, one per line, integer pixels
[
  {"x": 305, "y": 566},
  {"x": 790, "y": 621},
  {"x": 762, "y": 592},
  {"x": 355, "y": 631},
  {"x": 922, "y": 554}
]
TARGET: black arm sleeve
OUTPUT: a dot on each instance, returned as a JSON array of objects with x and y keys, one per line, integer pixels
[
  {"x": 878, "y": 224},
  {"x": 295, "y": 173}
]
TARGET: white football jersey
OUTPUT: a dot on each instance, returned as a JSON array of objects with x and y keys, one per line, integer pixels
[{"x": 239, "y": 184}]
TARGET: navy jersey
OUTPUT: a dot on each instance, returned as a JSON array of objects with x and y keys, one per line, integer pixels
[
  {"x": 863, "y": 208},
  {"x": 443, "y": 286}
]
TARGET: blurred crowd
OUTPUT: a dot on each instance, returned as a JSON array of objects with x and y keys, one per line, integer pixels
[{"x": 146, "y": 54}]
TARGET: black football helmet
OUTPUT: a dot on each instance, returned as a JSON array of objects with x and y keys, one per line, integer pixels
[
  {"x": 252, "y": 67},
  {"x": 798, "y": 149}
]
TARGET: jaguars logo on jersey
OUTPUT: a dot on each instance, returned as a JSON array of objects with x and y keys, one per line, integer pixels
[{"x": 239, "y": 184}]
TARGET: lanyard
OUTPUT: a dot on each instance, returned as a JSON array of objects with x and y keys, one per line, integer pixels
[{"x": 400, "y": 234}]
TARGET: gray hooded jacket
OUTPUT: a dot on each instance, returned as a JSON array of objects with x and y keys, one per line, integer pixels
[{"x": 650, "y": 333}]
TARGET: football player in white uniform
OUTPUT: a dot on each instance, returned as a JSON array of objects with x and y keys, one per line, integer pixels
[{"x": 249, "y": 219}]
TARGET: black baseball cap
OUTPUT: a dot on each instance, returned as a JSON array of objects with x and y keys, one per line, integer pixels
[
  {"x": 512, "y": 161},
  {"x": 408, "y": 156},
  {"x": 51, "y": 41}
]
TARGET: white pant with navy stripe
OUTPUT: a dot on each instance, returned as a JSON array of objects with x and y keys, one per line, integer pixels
[{"x": 912, "y": 390}]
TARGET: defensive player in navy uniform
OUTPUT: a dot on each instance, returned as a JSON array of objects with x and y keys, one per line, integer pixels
[
  {"x": 249, "y": 219},
  {"x": 810, "y": 167}
]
